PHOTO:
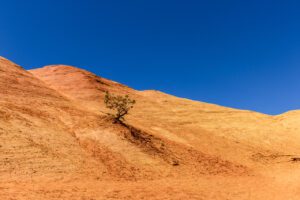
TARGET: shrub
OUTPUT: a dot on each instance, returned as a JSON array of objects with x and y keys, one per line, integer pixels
[{"x": 119, "y": 104}]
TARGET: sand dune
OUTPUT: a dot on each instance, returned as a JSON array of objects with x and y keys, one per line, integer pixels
[{"x": 58, "y": 143}]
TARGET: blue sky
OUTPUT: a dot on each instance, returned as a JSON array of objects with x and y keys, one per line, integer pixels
[{"x": 242, "y": 54}]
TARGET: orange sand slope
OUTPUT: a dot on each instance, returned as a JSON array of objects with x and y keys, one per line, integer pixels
[{"x": 56, "y": 142}]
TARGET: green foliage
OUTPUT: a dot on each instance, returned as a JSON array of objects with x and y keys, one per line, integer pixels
[{"x": 119, "y": 104}]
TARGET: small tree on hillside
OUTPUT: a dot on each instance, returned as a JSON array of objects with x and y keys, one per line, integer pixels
[{"x": 119, "y": 104}]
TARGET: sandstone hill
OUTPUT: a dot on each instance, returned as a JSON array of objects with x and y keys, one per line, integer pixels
[{"x": 56, "y": 142}]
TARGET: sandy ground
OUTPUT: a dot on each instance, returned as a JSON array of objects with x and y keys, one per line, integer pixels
[{"x": 218, "y": 188}]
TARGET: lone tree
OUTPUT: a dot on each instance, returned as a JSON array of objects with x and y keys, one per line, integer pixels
[{"x": 119, "y": 104}]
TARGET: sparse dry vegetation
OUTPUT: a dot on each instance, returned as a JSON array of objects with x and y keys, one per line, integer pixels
[{"x": 119, "y": 104}]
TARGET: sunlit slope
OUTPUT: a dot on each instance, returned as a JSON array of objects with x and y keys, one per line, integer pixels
[
  {"x": 160, "y": 153},
  {"x": 34, "y": 132},
  {"x": 237, "y": 135},
  {"x": 46, "y": 133},
  {"x": 56, "y": 142}
]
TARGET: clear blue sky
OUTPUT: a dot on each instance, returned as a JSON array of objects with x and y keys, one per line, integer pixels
[{"x": 242, "y": 54}]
